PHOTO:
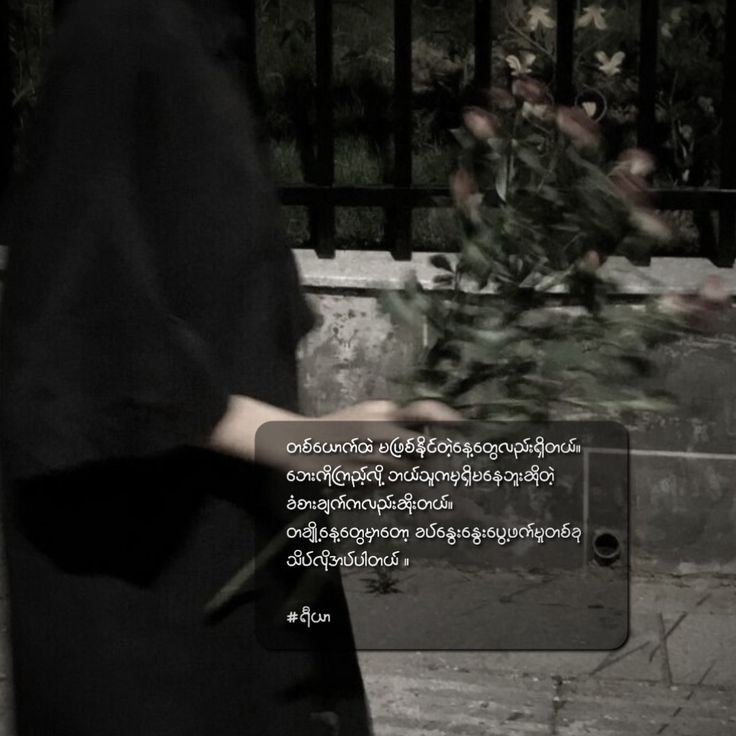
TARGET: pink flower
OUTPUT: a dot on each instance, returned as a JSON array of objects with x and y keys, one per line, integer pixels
[
  {"x": 698, "y": 311},
  {"x": 481, "y": 124},
  {"x": 593, "y": 15},
  {"x": 530, "y": 90},
  {"x": 631, "y": 187},
  {"x": 463, "y": 188},
  {"x": 610, "y": 65},
  {"x": 713, "y": 293},
  {"x": 636, "y": 161},
  {"x": 591, "y": 261},
  {"x": 575, "y": 124}
]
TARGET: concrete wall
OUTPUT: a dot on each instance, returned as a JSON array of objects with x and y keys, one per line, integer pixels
[{"x": 683, "y": 493}]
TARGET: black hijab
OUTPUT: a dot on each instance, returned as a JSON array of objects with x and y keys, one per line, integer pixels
[{"x": 147, "y": 279}]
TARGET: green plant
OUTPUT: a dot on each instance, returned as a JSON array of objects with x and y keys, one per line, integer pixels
[
  {"x": 382, "y": 582},
  {"x": 690, "y": 43},
  {"x": 540, "y": 211}
]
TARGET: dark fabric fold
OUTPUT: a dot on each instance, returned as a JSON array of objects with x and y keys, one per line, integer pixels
[
  {"x": 148, "y": 281},
  {"x": 147, "y": 276}
]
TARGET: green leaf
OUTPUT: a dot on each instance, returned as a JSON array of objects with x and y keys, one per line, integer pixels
[
  {"x": 532, "y": 159},
  {"x": 443, "y": 279},
  {"x": 440, "y": 260},
  {"x": 502, "y": 180},
  {"x": 463, "y": 137}
]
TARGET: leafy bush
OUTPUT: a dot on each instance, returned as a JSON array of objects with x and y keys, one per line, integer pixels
[{"x": 541, "y": 211}]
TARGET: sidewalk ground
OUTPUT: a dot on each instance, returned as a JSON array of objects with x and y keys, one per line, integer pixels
[{"x": 676, "y": 676}]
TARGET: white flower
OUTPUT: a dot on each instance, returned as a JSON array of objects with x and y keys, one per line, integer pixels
[
  {"x": 706, "y": 105},
  {"x": 521, "y": 65},
  {"x": 610, "y": 66},
  {"x": 482, "y": 125},
  {"x": 675, "y": 19},
  {"x": 539, "y": 16},
  {"x": 593, "y": 14},
  {"x": 636, "y": 161},
  {"x": 540, "y": 111},
  {"x": 590, "y": 109}
]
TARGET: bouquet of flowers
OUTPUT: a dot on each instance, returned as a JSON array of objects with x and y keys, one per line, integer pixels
[{"x": 524, "y": 322}]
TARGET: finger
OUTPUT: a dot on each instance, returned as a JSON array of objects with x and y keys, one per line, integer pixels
[
  {"x": 367, "y": 411},
  {"x": 429, "y": 410}
]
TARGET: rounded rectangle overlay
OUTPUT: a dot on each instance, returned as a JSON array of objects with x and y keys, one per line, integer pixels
[{"x": 454, "y": 536}]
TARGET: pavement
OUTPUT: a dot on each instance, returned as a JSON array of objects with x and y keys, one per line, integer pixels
[{"x": 675, "y": 676}]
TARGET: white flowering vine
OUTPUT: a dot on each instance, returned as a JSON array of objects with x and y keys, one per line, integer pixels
[
  {"x": 593, "y": 15},
  {"x": 610, "y": 65},
  {"x": 521, "y": 64},
  {"x": 539, "y": 16}
]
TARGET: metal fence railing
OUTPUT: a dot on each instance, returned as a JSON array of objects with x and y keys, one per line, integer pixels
[
  {"x": 399, "y": 197},
  {"x": 321, "y": 195}
]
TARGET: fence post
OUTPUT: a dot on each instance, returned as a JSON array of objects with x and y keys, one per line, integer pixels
[
  {"x": 398, "y": 223},
  {"x": 323, "y": 224},
  {"x": 648, "y": 38},
  {"x": 564, "y": 89},
  {"x": 727, "y": 215},
  {"x": 482, "y": 44}
]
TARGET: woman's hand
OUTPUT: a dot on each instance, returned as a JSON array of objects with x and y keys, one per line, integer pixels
[
  {"x": 425, "y": 410},
  {"x": 236, "y": 432}
]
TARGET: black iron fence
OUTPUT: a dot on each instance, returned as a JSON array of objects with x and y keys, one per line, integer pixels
[{"x": 400, "y": 197}]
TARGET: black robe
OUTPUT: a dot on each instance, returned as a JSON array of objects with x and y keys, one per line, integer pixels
[{"x": 147, "y": 282}]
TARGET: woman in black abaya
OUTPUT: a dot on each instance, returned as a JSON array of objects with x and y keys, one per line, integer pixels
[{"x": 149, "y": 325}]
